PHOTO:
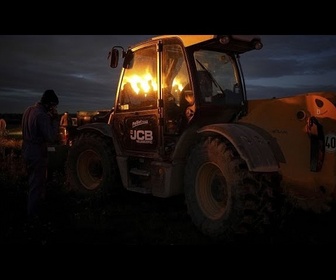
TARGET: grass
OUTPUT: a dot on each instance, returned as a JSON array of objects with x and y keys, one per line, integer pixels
[
  {"x": 12, "y": 137},
  {"x": 129, "y": 218},
  {"x": 12, "y": 170}
]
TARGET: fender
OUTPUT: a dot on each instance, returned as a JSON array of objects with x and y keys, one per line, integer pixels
[
  {"x": 104, "y": 129},
  {"x": 99, "y": 127},
  {"x": 251, "y": 146}
]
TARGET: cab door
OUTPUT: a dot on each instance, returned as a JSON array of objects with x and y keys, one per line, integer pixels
[
  {"x": 136, "y": 116},
  {"x": 155, "y": 100}
]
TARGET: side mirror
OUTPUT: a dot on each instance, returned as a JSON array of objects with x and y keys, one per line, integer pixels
[{"x": 129, "y": 59}]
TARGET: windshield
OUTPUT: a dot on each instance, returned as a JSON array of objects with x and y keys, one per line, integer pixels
[{"x": 217, "y": 78}]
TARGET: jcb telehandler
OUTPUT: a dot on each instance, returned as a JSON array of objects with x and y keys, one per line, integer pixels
[{"x": 182, "y": 124}]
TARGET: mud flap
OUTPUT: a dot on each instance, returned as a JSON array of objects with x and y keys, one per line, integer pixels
[{"x": 317, "y": 147}]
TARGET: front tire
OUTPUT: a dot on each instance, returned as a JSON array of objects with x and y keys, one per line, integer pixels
[
  {"x": 223, "y": 198},
  {"x": 91, "y": 166}
]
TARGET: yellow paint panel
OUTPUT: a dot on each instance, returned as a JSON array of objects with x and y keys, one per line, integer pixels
[{"x": 285, "y": 119}]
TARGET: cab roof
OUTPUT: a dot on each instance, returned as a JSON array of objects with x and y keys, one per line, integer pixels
[
  {"x": 237, "y": 43},
  {"x": 188, "y": 40}
]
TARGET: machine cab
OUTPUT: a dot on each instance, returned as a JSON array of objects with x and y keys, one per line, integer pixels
[{"x": 169, "y": 83}]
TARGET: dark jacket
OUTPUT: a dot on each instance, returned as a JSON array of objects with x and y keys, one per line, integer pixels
[{"x": 38, "y": 129}]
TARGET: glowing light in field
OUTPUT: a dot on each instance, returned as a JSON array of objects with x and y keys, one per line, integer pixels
[
  {"x": 143, "y": 83},
  {"x": 146, "y": 84},
  {"x": 177, "y": 84}
]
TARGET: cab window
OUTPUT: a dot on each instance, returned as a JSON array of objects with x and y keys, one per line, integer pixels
[
  {"x": 139, "y": 90},
  {"x": 177, "y": 94}
]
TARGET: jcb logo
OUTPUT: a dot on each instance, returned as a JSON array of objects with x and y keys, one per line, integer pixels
[{"x": 141, "y": 136}]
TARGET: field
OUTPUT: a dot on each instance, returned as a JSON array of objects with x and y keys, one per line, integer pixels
[
  {"x": 124, "y": 219},
  {"x": 127, "y": 219}
]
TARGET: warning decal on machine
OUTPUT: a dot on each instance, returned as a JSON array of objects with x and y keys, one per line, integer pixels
[{"x": 330, "y": 142}]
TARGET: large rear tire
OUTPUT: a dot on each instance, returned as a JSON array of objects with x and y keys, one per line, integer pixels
[
  {"x": 91, "y": 165},
  {"x": 223, "y": 198}
]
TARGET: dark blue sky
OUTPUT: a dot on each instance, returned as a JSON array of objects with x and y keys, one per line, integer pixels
[{"x": 76, "y": 67}]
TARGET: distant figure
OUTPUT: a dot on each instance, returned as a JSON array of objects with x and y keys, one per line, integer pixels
[
  {"x": 65, "y": 120},
  {"x": 2, "y": 127},
  {"x": 40, "y": 126}
]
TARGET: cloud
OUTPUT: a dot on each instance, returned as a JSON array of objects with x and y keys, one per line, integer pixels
[{"x": 76, "y": 67}]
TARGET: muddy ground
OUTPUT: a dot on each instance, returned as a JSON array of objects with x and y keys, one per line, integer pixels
[
  {"x": 127, "y": 218},
  {"x": 132, "y": 219}
]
